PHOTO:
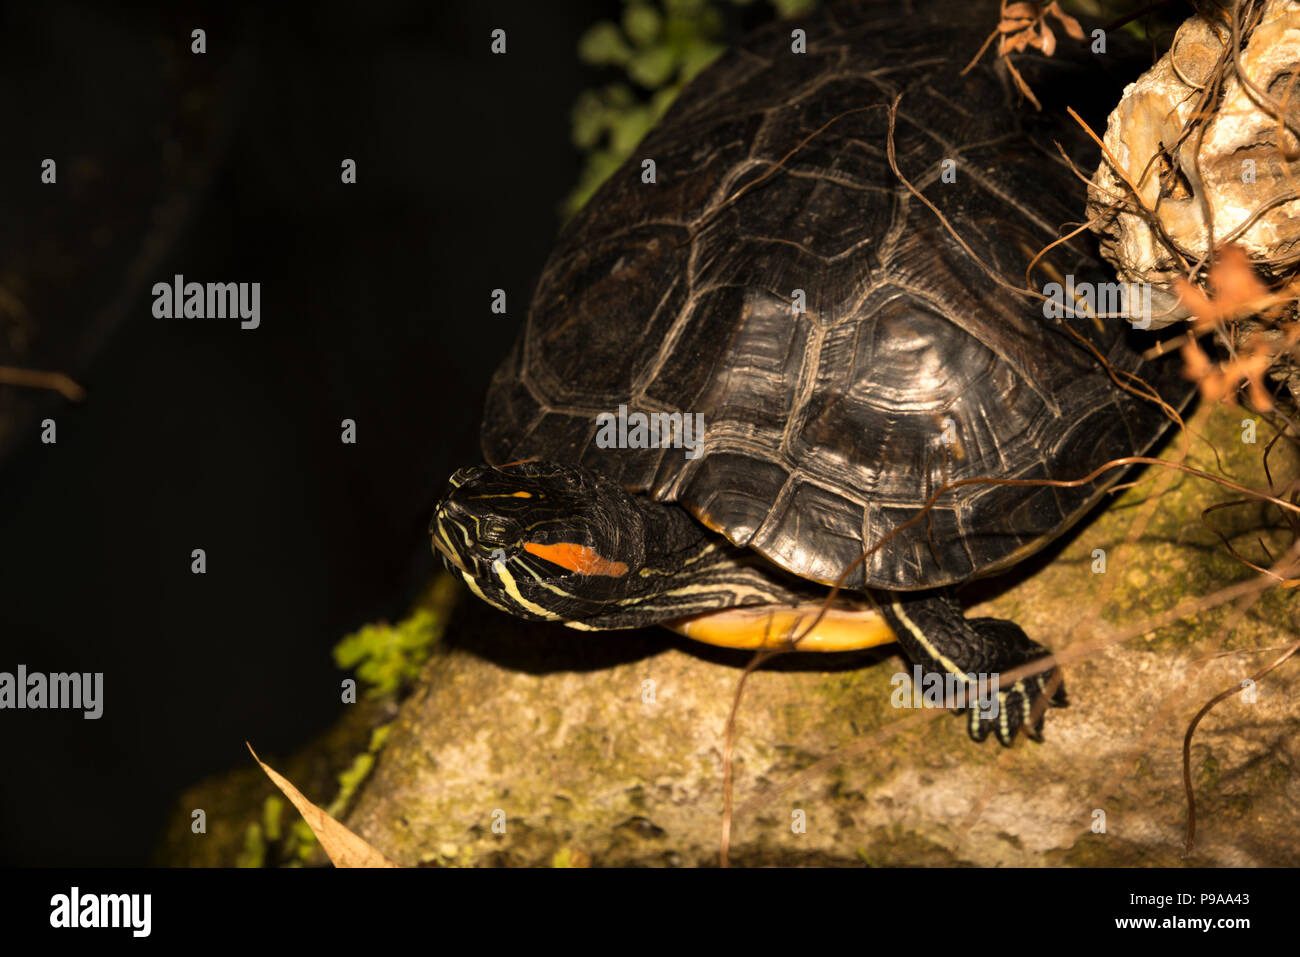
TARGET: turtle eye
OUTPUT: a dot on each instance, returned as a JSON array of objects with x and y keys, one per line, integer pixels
[{"x": 498, "y": 532}]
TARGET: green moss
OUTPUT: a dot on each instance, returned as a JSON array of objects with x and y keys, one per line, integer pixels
[
  {"x": 387, "y": 656},
  {"x": 1181, "y": 553},
  {"x": 351, "y": 779},
  {"x": 1209, "y": 774},
  {"x": 271, "y": 812},
  {"x": 254, "y": 851}
]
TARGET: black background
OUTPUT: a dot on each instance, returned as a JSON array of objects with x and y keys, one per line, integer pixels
[
  {"x": 1039, "y": 903},
  {"x": 197, "y": 434}
]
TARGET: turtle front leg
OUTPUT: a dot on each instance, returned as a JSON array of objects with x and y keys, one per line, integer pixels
[{"x": 968, "y": 654}]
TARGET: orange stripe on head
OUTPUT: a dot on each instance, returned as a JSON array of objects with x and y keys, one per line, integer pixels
[{"x": 576, "y": 558}]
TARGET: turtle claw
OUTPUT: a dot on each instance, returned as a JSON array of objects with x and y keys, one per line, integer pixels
[{"x": 1015, "y": 708}]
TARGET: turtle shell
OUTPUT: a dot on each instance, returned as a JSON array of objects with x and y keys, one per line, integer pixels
[{"x": 832, "y": 413}]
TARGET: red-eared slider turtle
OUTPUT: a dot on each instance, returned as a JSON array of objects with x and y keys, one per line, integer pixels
[{"x": 735, "y": 379}]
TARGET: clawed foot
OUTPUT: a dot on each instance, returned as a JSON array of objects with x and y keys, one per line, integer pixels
[
  {"x": 1016, "y": 705},
  {"x": 935, "y": 634},
  {"x": 1015, "y": 708}
]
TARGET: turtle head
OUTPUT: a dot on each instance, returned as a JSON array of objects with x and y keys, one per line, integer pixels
[{"x": 541, "y": 540}]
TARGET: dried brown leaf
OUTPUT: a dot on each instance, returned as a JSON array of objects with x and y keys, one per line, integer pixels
[
  {"x": 345, "y": 849},
  {"x": 1048, "y": 41},
  {"x": 1071, "y": 25},
  {"x": 1238, "y": 292}
]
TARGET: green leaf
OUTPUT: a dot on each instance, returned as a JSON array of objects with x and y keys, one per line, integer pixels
[
  {"x": 631, "y": 127},
  {"x": 590, "y": 120},
  {"x": 603, "y": 45},
  {"x": 653, "y": 66},
  {"x": 642, "y": 23}
]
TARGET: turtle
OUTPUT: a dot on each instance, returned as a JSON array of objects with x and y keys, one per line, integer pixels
[{"x": 742, "y": 374}]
